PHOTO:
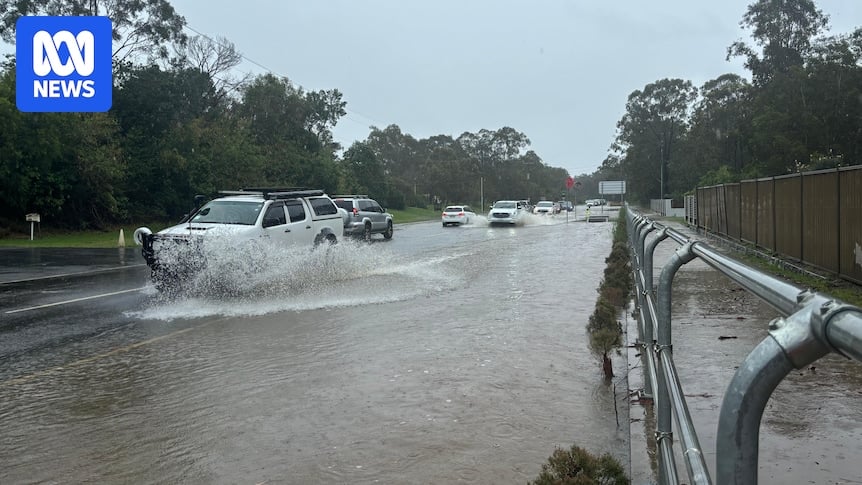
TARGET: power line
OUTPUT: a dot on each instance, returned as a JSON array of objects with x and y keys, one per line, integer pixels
[{"x": 274, "y": 73}]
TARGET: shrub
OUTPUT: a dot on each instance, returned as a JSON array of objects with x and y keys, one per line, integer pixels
[
  {"x": 577, "y": 466},
  {"x": 604, "y": 330}
]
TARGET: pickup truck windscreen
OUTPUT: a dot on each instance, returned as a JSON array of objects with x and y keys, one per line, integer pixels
[{"x": 229, "y": 212}]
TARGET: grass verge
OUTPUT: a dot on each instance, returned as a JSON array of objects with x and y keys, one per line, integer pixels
[{"x": 414, "y": 214}]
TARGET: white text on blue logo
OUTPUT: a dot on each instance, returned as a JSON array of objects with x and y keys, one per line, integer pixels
[{"x": 46, "y": 60}]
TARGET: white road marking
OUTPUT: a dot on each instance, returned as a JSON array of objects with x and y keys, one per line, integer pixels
[{"x": 74, "y": 300}]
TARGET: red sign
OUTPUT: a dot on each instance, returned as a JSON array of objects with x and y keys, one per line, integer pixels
[{"x": 570, "y": 182}]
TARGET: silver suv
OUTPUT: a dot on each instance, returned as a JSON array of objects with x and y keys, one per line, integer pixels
[{"x": 364, "y": 216}]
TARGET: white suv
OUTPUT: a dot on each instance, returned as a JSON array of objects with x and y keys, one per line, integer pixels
[
  {"x": 507, "y": 212},
  {"x": 238, "y": 219}
]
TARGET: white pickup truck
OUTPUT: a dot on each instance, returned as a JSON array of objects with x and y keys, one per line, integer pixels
[{"x": 238, "y": 219}]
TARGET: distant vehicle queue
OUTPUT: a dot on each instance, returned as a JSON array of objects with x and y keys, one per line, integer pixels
[{"x": 509, "y": 211}]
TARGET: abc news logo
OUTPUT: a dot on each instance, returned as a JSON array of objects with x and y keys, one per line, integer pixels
[
  {"x": 71, "y": 64},
  {"x": 46, "y": 59}
]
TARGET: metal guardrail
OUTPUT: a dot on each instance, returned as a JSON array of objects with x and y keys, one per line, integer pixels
[{"x": 811, "y": 326}]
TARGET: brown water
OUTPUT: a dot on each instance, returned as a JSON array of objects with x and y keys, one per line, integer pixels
[
  {"x": 459, "y": 356},
  {"x": 811, "y": 431}
]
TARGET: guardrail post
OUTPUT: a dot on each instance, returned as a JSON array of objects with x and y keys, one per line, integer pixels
[
  {"x": 683, "y": 255},
  {"x": 649, "y": 251},
  {"x": 792, "y": 343},
  {"x": 645, "y": 228}
]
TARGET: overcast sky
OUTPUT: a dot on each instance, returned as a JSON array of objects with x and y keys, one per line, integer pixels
[{"x": 557, "y": 70}]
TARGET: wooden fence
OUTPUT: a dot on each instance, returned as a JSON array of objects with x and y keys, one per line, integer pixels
[{"x": 811, "y": 217}]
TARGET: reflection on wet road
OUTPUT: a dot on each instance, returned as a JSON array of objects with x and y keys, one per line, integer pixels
[{"x": 444, "y": 355}]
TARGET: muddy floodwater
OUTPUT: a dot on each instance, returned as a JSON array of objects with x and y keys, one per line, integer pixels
[
  {"x": 454, "y": 355},
  {"x": 811, "y": 430}
]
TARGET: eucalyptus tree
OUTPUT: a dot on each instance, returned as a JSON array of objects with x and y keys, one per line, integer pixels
[
  {"x": 153, "y": 108},
  {"x": 217, "y": 58},
  {"x": 784, "y": 31},
  {"x": 718, "y": 135},
  {"x": 140, "y": 27},
  {"x": 834, "y": 91},
  {"x": 364, "y": 172},
  {"x": 402, "y": 159},
  {"x": 292, "y": 128},
  {"x": 656, "y": 119}
]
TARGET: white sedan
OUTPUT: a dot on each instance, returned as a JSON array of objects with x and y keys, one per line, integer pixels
[
  {"x": 457, "y": 215},
  {"x": 545, "y": 207}
]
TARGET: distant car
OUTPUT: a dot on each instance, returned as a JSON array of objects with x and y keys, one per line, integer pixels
[
  {"x": 506, "y": 212},
  {"x": 457, "y": 215},
  {"x": 565, "y": 205},
  {"x": 363, "y": 217},
  {"x": 545, "y": 207}
]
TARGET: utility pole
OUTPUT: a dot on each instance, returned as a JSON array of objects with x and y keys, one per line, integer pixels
[{"x": 661, "y": 172}]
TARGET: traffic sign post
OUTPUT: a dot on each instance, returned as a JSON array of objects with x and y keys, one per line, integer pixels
[{"x": 32, "y": 218}]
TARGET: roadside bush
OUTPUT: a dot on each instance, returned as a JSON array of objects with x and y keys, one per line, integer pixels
[
  {"x": 605, "y": 331},
  {"x": 578, "y": 466}
]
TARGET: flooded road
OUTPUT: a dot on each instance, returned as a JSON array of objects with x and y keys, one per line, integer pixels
[{"x": 444, "y": 355}]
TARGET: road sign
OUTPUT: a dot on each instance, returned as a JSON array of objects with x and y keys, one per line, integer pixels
[
  {"x": 610, "y": 187},
  {"x": 570, "y": 182}
]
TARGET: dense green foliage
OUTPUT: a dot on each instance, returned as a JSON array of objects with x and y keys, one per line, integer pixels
[
  {"x": 578, "y": 466},
  {"x": 802, "y": 110}
]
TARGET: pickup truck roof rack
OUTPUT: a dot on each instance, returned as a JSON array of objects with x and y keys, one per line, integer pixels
[
  {"x": 275, "y": 192},
  {"x": 273, "y": 189},
  {"x": 293, "y": 194},
  {"x": 350, "y": 196}
]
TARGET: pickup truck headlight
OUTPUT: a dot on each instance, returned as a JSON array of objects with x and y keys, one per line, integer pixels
[{"x": 140, "y": 234}]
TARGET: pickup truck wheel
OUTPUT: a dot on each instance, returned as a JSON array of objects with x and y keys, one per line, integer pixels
[
  {"x": 366, "y": 234},
  {"x": 328, "y": 239},
  {"x": 389, "y": 230}
]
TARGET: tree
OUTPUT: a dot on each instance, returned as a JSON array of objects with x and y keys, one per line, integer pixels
[
  {"x": 364, "y": 171},
  {"x": 326, "y": 108},
  {"x": 784, "y": 30},
  {"x": 216, "y": 58},
  {"x": 140, "y": 27},
  {"x": 833, "y": 89},
  {"x": 719, "y": 131},
  {"x": 656, "y": 119},
  {"x": 153, "y": 108}
]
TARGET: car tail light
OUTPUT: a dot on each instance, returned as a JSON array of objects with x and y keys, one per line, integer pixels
[{"x": 461, "y": 214}]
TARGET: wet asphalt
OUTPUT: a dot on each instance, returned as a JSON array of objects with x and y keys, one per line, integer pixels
[
  {"x": 445, "y": 355},
  {"x": 442, "y": 356}
]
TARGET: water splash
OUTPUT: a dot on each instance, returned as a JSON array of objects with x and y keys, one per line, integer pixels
[{"x": 238, "y": 280}]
